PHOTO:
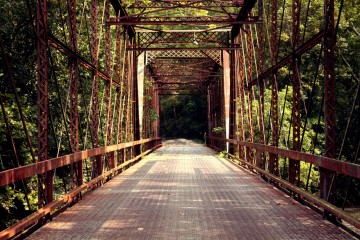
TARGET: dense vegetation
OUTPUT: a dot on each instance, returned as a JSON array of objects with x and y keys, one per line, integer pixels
[{"x": 182, "y": 116}]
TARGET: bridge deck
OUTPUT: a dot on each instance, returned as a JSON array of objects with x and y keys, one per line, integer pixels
[{"x": 184, "y": 191}]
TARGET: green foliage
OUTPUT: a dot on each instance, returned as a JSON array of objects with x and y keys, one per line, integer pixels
[
  {"x": 183, "y": 116},
  {"x": 222, "y": 154},
  {"x": 218, "y": 131},
  {"x": 153, "y": 115}
]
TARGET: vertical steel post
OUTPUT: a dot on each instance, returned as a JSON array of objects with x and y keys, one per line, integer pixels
[
  {"x": 208, "y": 97},
  {"x": 233, "y": 104},
  {"x": 241, "y": 92},
  {"x": 329, "y": 73},
  {"x": 135, "y": 98},
  {"x": 273, "y": 160},
  {"x": 294, "y": 166},
  {"x": 110, "y": 161},
  {"x": 97, "y": 164},
  {"x": 260, "y": 160},
  {"x": 226, "y": 82},
  {"x": 129, "y": 85},
  {"x": 250, "y": 92},
  {"x": 119, "y": 101},
  {"x": 77, "y": 178},
  {"x": 157, "y": 109},
  {"x": 43, "y": 101}
]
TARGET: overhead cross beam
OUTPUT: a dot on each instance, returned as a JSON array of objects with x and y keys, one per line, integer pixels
[{"x": 163, "y": 22}]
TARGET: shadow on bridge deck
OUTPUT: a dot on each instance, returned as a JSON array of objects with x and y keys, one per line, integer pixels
[{"x": 184, "y": 191}]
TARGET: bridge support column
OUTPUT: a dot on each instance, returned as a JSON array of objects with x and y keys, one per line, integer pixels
[
  {"x": 43, "y": 102},
  {"x": 97, "y": 162},
  {"x": 209, "y": 124},
  {"x": 294, "y": 166},
  {"x": 77, "y": 168},
  {"x": 110, "y": 161},
  {"x": 119, "y": 69},
  {"x": 249, "y": 46},
  {"x": 260, "y": 161},
  {"x": 226, "y": 69},
  {"x": 157, "y": 109},
  {"x": 233, "y": 104},
  {"x": 140, "y": 83},
  {"x": 326, "y": 176},
  {"x": 273, "y": 161},
  {"x": 135, "y": 97}
]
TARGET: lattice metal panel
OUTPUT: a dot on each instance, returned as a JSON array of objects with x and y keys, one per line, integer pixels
[
  {"x": 215, "y": 55},
  {"x": 167, "y": 3},
  {"x": 188, "y": 18},
  {"x": 146, "y": 39}
]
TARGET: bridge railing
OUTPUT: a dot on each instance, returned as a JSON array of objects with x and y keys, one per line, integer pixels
[
  {"x": 36, "y": 169},
  {"x": 339, "y": 167}
]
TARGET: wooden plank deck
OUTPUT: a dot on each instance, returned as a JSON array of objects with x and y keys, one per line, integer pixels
[{"x": 184, "y": 191}]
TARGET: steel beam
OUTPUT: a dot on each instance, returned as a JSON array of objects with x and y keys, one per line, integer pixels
[
  {"x": 240, "y": 74},
  {"x": 260, "y": 160},
  {"x": 273, "y": 160},
  {"x": 179, "y": 48},
  {"x": 249, "y": 53},
  {"x": 56, "y": 43},
  {"x": 226, "y": 82},
  {"x": 305, "y": 47},
  {"x": 97, "y": 163},
  {"x": 43, "y": 101},
  {"x": 30, "y": 170},
  {"x": 330, "y": 119},
  {"x": 110, "y": 158},
  {"x": 181, "y": 23},
  {"x": 77, "y": 176},
  {"x": 135, "y": 98},
  {"x": 294, "y": 166},
  {"x": 243, "y": 15}
]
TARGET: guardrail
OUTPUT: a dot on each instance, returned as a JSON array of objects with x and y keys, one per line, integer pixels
[
  {"x": 31, "y": 170},
  {"x": 345, "y": 168}
]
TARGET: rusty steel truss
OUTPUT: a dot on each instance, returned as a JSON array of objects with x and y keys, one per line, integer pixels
[{"x": 221, "y": 54}]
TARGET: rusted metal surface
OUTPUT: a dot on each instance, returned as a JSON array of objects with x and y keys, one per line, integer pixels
[
  {"x": 181, "y": 22},
  {"x": 346, "y": 168},
  {"x": 43, "y": 101},
  {"x": 329, "y": 97},
  {"x": 110, "y": 158},
  {"x": 181, "y": 48},
  {"x": 294, "y": 166},
  {"x": 239, "y": 77},
  {"x": 56, "y": 43},
  {"x": 226, "y": 82},
  {"x": 243, "y": 14},
  {"x": 260, "y": 161},
  {"x": 250, "y": 92},
  {"x": 305, "y": 47},
  {"x": 193, "y": 196},
  {"x": 67, "y": 198},
  {"x": 219, "y": 38},
  {"x": 30, "y": 170},
  {"x": 273, "y": 159},
  {"x": 76, "y": 169},
  {"x": 97, "y": 166},
  {"x": 135, "y": 100},
  {"x": 157, "y": 109},
  {"x": 233, "y": 101}
]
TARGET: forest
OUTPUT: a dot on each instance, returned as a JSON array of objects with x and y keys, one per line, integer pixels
[{"x": 181, "y": 116}]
